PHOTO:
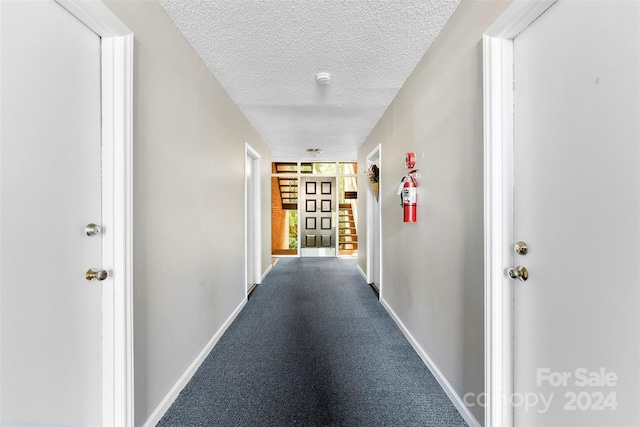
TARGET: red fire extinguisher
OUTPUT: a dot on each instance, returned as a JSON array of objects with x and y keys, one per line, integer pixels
[{"x": 408, "y": 191}]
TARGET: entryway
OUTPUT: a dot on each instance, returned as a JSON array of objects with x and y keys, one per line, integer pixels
[{"x": 314, "y": 209}]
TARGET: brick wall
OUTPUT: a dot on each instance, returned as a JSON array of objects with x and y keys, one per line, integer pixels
[{"x": 279, "y": 219}]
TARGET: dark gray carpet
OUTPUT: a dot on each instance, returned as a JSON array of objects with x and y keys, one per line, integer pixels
[{"x": 313, "y": 347}]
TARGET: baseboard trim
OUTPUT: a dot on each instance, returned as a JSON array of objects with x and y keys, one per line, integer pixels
[
  {"x": 363, "y": 273},
  {"x": 168, "y": 400},
  {"x": 266, "y": 272},
  {"x": 446, "y": 386}
]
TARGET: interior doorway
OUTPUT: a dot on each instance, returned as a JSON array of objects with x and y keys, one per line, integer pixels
[
  {"x": 252, "y": 217},
  {"x": 374, "y": 274}
]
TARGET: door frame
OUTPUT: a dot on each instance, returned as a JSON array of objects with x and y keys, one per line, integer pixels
[
  {"x": 498, "y": 47},
  {"x": 117, "y": 142},
  {"x": 255, "y": 216},
  {"x": 371, "y": 228}
]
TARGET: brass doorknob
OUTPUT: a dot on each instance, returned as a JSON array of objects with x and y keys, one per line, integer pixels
[
  {"x": 520, "y": 273},
  {"x": 521, "y": 248},
  {"x": 93, "y": 274}
]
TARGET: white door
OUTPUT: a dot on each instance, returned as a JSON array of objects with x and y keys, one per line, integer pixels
[
  {"x": 376, "y": 260},
  {"x": 50, "y": 175},
  {"x": 373, "y": 228},
  {"x": 317, "y": 222},
  {"x": 252, "y": 217},
  {"x": 577, "y": 207}
]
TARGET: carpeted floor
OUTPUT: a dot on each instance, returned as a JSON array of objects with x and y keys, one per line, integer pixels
[{"x": 313, "y": 347}]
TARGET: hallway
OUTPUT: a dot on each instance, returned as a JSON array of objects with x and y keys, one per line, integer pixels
[
  {"x": 313, "y": 346},
  {"x": 147, "y": 220}
]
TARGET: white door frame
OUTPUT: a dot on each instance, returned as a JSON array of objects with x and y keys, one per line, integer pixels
[
  {"x": 498, "y": 203},
  {"x": 117, "y": 185},
  {"x": 255, "y": 216},
  {"x": 375, "y": 153}
]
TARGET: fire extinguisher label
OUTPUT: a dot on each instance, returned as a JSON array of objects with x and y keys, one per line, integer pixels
[{"x": 409, "y": 195}]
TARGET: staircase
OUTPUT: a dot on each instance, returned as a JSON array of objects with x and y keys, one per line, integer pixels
[
  {"x": 289, "y": 185},
  {"x": 347, "y": 235},
  {"x": 288, "y": 193}
]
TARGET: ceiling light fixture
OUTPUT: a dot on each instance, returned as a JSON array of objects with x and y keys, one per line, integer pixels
[
  {"x": 314, "y": 152},
  {"x": 323, "y": 78}
]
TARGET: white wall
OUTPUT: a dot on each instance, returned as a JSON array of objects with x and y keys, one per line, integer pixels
[
  {"x": 188, "y": 203},
  {"x": 432, "y": 271}
]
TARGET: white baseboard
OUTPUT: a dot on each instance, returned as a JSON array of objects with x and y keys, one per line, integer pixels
[
  {"x": 168, "y": 400},
  {"x": 266, "y": 272},
  {"x": 446, "y": 386},
  {"x": 363, "y": 273}
]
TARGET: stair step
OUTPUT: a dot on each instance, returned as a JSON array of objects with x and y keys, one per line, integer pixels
[{"x": 288, "y": 186}]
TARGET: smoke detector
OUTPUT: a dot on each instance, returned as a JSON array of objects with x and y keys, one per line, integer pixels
[
  {"x": 323, "y": 78},
  {"x": 314, "y": 152}
]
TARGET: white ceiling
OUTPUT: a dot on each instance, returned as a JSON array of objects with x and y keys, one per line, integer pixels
[{"x": 266, "y": 54}]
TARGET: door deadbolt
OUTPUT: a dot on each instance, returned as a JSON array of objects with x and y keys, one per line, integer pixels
[
  {"x": 92, "y": 230},
  {"x": 521, "y": 248},
  {"x": 520, "y": 272},
  {"x": 93, "y": 274}
]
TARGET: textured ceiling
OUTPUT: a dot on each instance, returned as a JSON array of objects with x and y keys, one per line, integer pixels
[{"x": 266, "y": 54}]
